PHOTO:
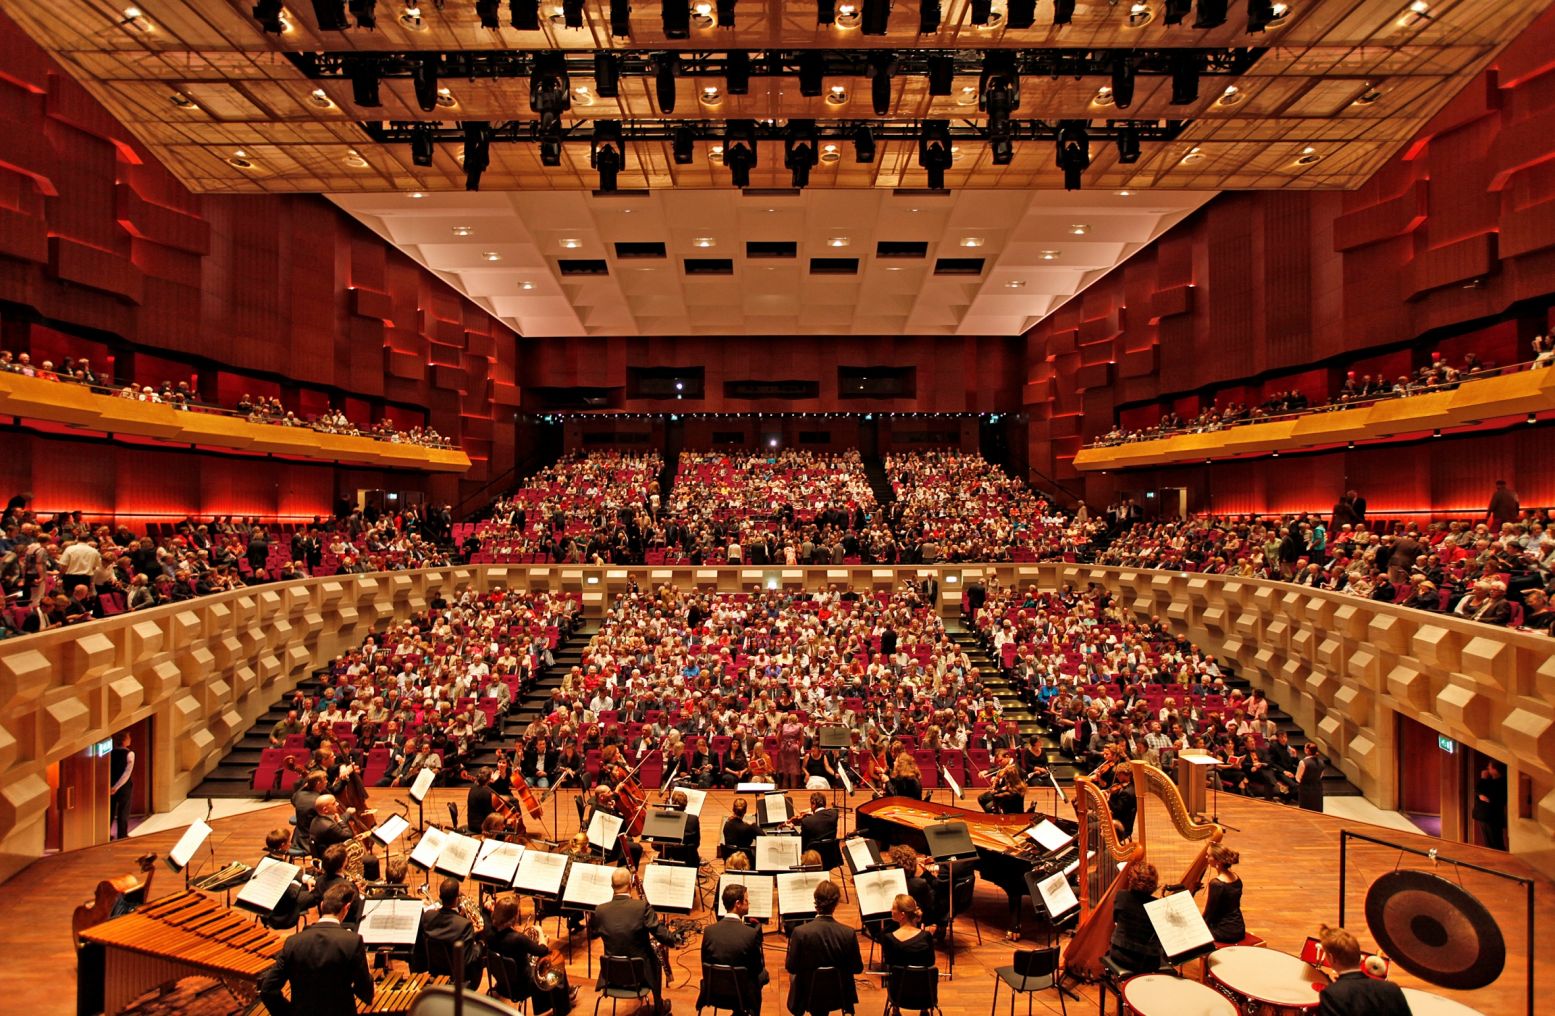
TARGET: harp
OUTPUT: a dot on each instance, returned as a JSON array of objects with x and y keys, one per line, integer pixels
[{"x": 1165, "y": 835}]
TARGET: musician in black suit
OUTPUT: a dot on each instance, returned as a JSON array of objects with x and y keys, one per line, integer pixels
[
  {"x": 1352, "y": 993},
  {"x": 739, "y": 834},
  {"x": 332, "y": 868},
  {"x": 628, "y": 928},
  {"x": 819, "y": 824},
  {"x": 734, "y": 942},
  {"x": 447, "y": 926},
  {"x": 325, "y": 964},
  {"x": 689, "y": 851},
  {"x": 822, "y": 943},
  {"x": 305, "y": 798},
  {"x": 328, "y": 826},
  {"x": 481, "y": 801}
]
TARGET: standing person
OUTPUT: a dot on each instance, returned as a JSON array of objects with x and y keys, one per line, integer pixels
[
  {"x": 1490, "y": 805},
  {"x": 1309, "y": 779},
  {"x": 823, "y": 943},
  {"x": 121, "y": 776},
  {"x": 628, "y": 928},
  {"x": 790, "y": 748},
  {"x": 734, "y": 942},
  {"x": 1352, "y": 993},
  {"x": 1504, "y": 505},
  {"x": 325, "y": 964}
]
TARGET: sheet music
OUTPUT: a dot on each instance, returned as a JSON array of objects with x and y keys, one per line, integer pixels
[
  {"x": 588, "y": 885},
  {"x": 497, "y": 861},
  {"x": 754, "y": 788},
  {"x": 955, "y": 787},
  {"x": 603, "y": 830},
  {"x": 670, "y": 886},
  {"x": 431, "y": 845},
  {"x": 390, "y": 922},
  {"x": 842, "y": 774},
  {"x": 422, "y": 784},
  {"x": 777, "y": 853},
  {"x": 774, "y": 807},
  {"x": 859, "y": 855},
  {"x": 390, "y": 829},
  {"x": 539, "y": 872},
  {"x": 188, "y": 843},
  {"x": 268, "y": 884},
  {"x": 877, "y": 890},
  {"x": 458, "y": 855},
  {"x": 1057, "y": 896},
  {"x": 694, "y": 799},
  {"x": 796, "y": 891},
  {"x": 758, "y": 890},
  {"x": 1178, "y": 924},
  {"x": 1049, "y": 837}
]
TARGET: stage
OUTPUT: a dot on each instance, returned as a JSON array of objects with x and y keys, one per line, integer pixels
[{"x": 1290, "y": 866}]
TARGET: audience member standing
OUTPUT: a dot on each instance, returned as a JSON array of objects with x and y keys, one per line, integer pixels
[{"x": 1504, "y": 505}]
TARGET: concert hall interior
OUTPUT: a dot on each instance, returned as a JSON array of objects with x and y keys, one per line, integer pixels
[{"x": 519, "y": 508}]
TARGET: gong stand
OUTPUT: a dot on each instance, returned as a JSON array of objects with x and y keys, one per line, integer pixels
[{"x": 1436, "y": 908}]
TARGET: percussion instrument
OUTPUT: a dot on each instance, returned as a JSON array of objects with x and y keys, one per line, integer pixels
[
  {"x": 1265, "y": 982},
  {"x": 1165, "y": 995},
  {"x": 182, "y": 935},
  {"x": 393, "y": 995},
  {"x": 440, "y": 1002},
  {"x": 1424, "y": 1003},
  {"x": 123, "y": 892}
]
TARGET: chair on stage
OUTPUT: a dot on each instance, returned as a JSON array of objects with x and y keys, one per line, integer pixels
[
  {"x": 727, "y": 987},
  {"x": 831, "y": 860},
  {"x": 915, "y": 988},
  {"x": 620, "y": 978},
  {"x": 1031, "y": 971},
  {"x": 828, "y": 993}
]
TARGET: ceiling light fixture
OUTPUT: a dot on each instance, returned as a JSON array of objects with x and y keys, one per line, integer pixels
[
  {"x": 240, "y": 160},
  {"x": 1103, "y": 96},
  {"x": 711, "y": 95},
  {"x": 1140, "y": 14},
  {"x": 1074, "y": 151},
  {"x": 477, "y": 152},
  {"x": 830, "y": 154},
  {"x": 354, "y": 159},
  {"x": 416, "y": 195},
  {"x": 1015, "y": 284},
  {"x": 704, "y": 241},
  {"x": 848, "y": 16},
  {"x": 411, "y": 18},
  {"x": 838, "y": 241},
  {"x": 1232, "y": 96},
  {"x": 464, "y": 231},
  {"x": 971, "y": 241},
  {"x": 1079, "y": 229},
  {"x": 607, "y": 153},
  {"x": 570, "y": 242},
  {"x": 800, "y": 150},
  {"x": 837, "y": 95},
  {"x": 491, "y": 255},
  {"x": 321, "y": 99},
  {"x": 928, "y": 17},
  {"x": 702, "y": 15},
  {"x": 182, "y": 101},
  {"x": 445, "y": 98},
  {"x": 740, "y": 152},
  {"x": 1050, "y": 255},
  {"x": 934, "y": 153},
  {"x": 1193, "y": 155}
]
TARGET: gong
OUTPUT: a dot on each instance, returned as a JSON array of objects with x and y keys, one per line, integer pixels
[{"x": 1435, "y": 929}]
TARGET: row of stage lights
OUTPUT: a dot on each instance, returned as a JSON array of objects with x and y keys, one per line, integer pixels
[{"x": 607, "y": 415}]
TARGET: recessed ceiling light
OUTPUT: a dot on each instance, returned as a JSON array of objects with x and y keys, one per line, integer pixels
[
  {"x": 1015, "y": 284},
  {"x": 830, "y": 154},
  {"x": 711, "y": 94},
  {"x": 1368, "y": 97},
  {"x": 417, "y": 195},
  {"x": 491, "y": 255},
  {"x": 1308, "y": 157},
  {"x": 838, "y": 241},
  {"x": 1079, "y": 229},
  {"x": 1230, "y": 97},
  {"x": 526, "y": 285},
  {"x": 131, "y": 13},
  {"x": 182, "y": 101},
  {"x": 1103, "y": 96},
  {"x": 411, "y": 18},
  {"x": 1308, "y": 150},
  {"x": 1194, "y": 155},
  {"x": 971, "y": 241},
  {"x": 1125, "y": 193},
  {"x": 702, "y": 15},
  {"x": 240, "y": 160},
  {"x": 463, "y": 230},
  {"x": 445, "y": 98},
  {"x": 1050, "y": 255},
  {"x": 704, "y": 241},
  {"x": 558, "y": 16},
  {"x": 571, "y": 242},
  {"x": 354, "y": 159},
  {"x": 968, "y": 96},
  {"x": 321, "y": 99},
  {"x": 583, "y": 96},
  {"x": 1140, "y": 14},
  {"x": 847, "y": 16},
  {"x": 716, "y": 152},
  {"x": 837, "y": 95}
]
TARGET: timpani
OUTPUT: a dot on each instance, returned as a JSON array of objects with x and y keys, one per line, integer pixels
[
  {"x": 1168, "y": 995},
  {"x": 1424, "y": 1003},
  {"x": 1265, "y": 982}
]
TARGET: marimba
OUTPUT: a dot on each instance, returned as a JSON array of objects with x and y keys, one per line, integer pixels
[
  {"x": 187, "y": 934},
  {"x": 393, "y": 994}
]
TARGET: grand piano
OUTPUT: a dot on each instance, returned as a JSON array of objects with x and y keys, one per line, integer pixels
[{"x": 1004, "y": 856}]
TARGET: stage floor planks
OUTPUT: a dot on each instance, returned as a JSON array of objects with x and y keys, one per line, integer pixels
[{"x": 1290, "y": 864}]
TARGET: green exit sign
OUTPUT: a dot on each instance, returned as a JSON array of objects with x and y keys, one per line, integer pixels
[{"x": 1446, "y": 744}]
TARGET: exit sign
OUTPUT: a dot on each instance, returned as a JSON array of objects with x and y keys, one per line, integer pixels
[{"x": 1446, "y": 744}]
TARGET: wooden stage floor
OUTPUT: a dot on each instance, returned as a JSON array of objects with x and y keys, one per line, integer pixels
[{"x": 1290, "y": 865}]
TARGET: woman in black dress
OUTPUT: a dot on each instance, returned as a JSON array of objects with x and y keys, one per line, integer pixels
[
  {"x": 1134, "y": 946},
  {"x": 905, "y": 779},
  {"x": 503, "y": 939},
  {"x": 908, "y": 945},
  {"x": 1223, "y": 902}
]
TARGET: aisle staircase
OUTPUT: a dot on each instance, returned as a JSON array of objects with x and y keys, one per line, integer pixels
[{"x": 879, "y": 482}]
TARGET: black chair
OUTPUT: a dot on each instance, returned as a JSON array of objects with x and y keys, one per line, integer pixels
[
  {"x": 727, "y": 987},
  {"x": 915, "y": 988},
  {"x": 1031, "y": 971},
  {"x": 831, "y": 859},
  {"x": 620, "y": 978},
  {"x": 504, "y": 978},
  {"x": 828, "y": 993}
]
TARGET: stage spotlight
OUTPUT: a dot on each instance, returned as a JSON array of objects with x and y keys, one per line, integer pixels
[
  {"x": 880, "y": 67},
  {"x": 1128, "y": 145},
  {"x": 1211, "y": 14},
  {"x": 863, "y": 143},
  {"x": 607, "y": 75},
  {"x": 1185, "y": 78},
  {"x": 550, "y": 88},
  {"x": 942, "y": 74},
  {"x": 423, "y": 75},
  {"x": 1074, "y": 151},
  {"x": 1003, "y": 148},
  {"x": 682, "y": 142},
  {"x": 523, "y": 15},
  {"x": 982, "y": 10},
  {"x": 812, "y": 71},
  {"x": 363, "y": 72},
  {"x": 928, "y": 17},
  {"x": 551, "y": 148},
  {"x": 677, "y": 18},
  {"x": 998, "y": 92},
  {"x": 934, "y": 153},
  {"x": 740, "y": 151},
  {"x": 477, "y": 152},
  {"x": 737, "y": 72},
  {"x": 1122, "y": 82},
  {"x": 1020, "y": 13},
  {"x": 1063, "y": 12},
  {"x": 1259, "y": 14},
  {"x": 877, "y": 17},
  {"x": 422, "y": 147},
  {"x": 330, "y": 14},
  {"x": 607, "y": 153},
  {"x": 800, "y": 150},
  {"x": 666, "y": 67},
  {"x": 572, "y": 13},
  {"x": 1173, "y": 11},
  {"x": 621, "y": 18},
  {"x": 725, "y": 13},
  {"x": 268, "y": 14},
  {"x": 825, "y": 12},
  {"x": 365, "y": 12}
]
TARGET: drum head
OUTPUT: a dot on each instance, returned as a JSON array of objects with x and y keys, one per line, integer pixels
[
  {"x": 1435, "y": 929},
  {"x": 439, "y": 1001}
]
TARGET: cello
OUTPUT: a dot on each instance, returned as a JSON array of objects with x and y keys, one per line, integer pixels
[{"x": 114, "y": 896}]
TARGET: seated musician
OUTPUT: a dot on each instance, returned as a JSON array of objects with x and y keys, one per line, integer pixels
[
  {"x": 447, "y": 926},
  {"x": 332, "y": 872},
  {"x": 819, "y": 823},
  {"x": 1352, "y": 993},
  {"x": 568, "y": 767},
  {"x": 521, "y": 945},
  {"x": 329, "y": 825},
  {"x": 629, "y": 928},
  {"x": 604, "y": 800},
  {"x": 738, "y": 834},
  {"x": 822, "y": 943},
  {"x": 393, "y": 884},
  {"x": 906, "y": 780},
  {"x": 480, "y": 802},
  {"x": 735, "y": 764},
  {"x": 918, "y": 885},
  {"x": 909, "y": 945},
  {"x": 299, "y": 896},
  {"x": 703, "y": 768},
  {"x": 819, "y": 772},
  {"x": 1032, "y": 759},
  {"x": 540, "y": 763},
  {"x": 1007, "y": 794},
  {"x": 305, "y": 799},
  {"x": 735, "y": 941},
  {"x": 325, "y": 964},
  {"x": 1135, "y": 947},
  {"x": 689, "y": 850},
  {"x": 1223, "y": 900}
]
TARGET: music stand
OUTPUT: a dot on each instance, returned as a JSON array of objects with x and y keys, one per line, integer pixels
[
  {"x": 588, "y": 885},
  {"x": 950, "y": 843}
]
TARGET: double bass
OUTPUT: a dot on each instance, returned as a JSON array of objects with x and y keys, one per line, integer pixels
[{"x": 114, "y": 896}]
